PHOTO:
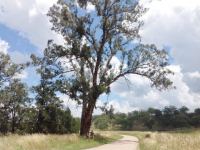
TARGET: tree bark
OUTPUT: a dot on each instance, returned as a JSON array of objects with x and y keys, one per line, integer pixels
[
  {"x": 86, "y": 119},
  {"x": 13, "y": 122}
]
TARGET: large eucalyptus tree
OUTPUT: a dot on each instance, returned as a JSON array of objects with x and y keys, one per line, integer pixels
[{"x": 102, "y": 44}]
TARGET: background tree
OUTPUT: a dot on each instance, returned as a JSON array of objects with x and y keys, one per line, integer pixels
[
  {"x": 51, "y": 117},
  {"x": 14, "y": 99},
  {"x": 105, "y": 121},
  {"x": 84, "y": 67},
  {"x": 195, "y": 118},
  {"x": 29, "y": 120},
  {"x": 169, "y": 118},
  {"x": 102, "y": 122},
  {"x": 121, "y": 121},
  {"x": 47, "y": 104},
  {"x": 4, "y": 117},
  {"x": 8, "y": 88}
]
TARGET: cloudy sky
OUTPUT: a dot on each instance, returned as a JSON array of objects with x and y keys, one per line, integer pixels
[{"x": 171, "y": 24}]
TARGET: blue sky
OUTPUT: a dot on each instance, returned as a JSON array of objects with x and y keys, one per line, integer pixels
[
  {"x": 174, "y": 25},
  {"x": 22, "y": 48},
  {"x": 16, "y": 41}
]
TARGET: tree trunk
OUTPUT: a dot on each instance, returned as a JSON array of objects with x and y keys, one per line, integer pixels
[
  {"x": 86, "y": 119},
  {"x": 13, "y": 123},
  {"x": 40, "y": 121}
]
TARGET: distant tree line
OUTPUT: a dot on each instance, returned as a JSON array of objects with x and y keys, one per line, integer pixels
[
  {"x": 169, "y": 118},
  {"x": 44, "y": 113}
]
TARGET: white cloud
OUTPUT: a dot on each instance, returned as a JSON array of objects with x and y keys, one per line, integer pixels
[
  {"x": 139, "y": 94},
  {"x": 21, "y": 75},
  {"x": 29, "y": 19},
  {"x": 115, "y": 63},
  {"x": 4, "y": 46},
  {"x": 175, "y": 24},
  {"x": 193, "y": 81},
  {"x": 33, "y": 12},
  {"x": 122, "y": 106},
  {"x": 167, "y": 23},
  {"x": 90, "y": 7},
  {"x": 18, "y": 57},
  {"x": 75, "y": 109},
  {"x": 195, "y": 74}
]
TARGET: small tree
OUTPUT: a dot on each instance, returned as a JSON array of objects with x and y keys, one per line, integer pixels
[
  {"x": 85, "y": 67},
  {"x": 14, "y": 100},
  {"x": 51, "y": 117},
  {"x": 47, "y": 103},
  {"x": 9, "y": 86}
]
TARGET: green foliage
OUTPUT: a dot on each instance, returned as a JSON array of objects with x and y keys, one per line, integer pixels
[
  {"x": 170, "y": 118},
  {"x": 13, "y": 95},
  {"x": 28, "y": 122},
  {"x": 120, "y": 119},
  {"x": 8, "y": 69},
  {"x": 51, "y": 117},
  {"x": 19, "y": 113},
  {"x": 75, "y": 126},
  {"x": 102, "y": 122},
  {"x": 15, "y": 100},
  {"x": 4, "y": 117}
]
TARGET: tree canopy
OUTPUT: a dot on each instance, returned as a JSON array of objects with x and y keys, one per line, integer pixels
[
  {"x": 101, "y": 46},
  {"x": 19, "y": 113}
]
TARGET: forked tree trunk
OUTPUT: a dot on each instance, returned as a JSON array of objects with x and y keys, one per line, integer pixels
[{"x": 86, "y": 119}]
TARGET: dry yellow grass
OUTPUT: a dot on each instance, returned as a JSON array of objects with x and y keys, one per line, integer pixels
[
  {"x": 168, "y": 140},
  {"x": 35, "y": 141},
  {"x": 49, "y": 142},
  {"x": 156, "y": 141}
]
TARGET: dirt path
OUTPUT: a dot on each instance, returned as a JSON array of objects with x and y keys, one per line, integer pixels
[{"x": 126, "y": 143}]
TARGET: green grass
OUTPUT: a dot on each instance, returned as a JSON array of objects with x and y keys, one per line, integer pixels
[
  {"x": 174, "y": 140},
  {"x": 52, "y": 142}
]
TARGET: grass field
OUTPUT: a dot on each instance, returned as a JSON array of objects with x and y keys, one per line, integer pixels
[
  {"x": 179, "y": 140},
  {"x": 52, "y": 142}
]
